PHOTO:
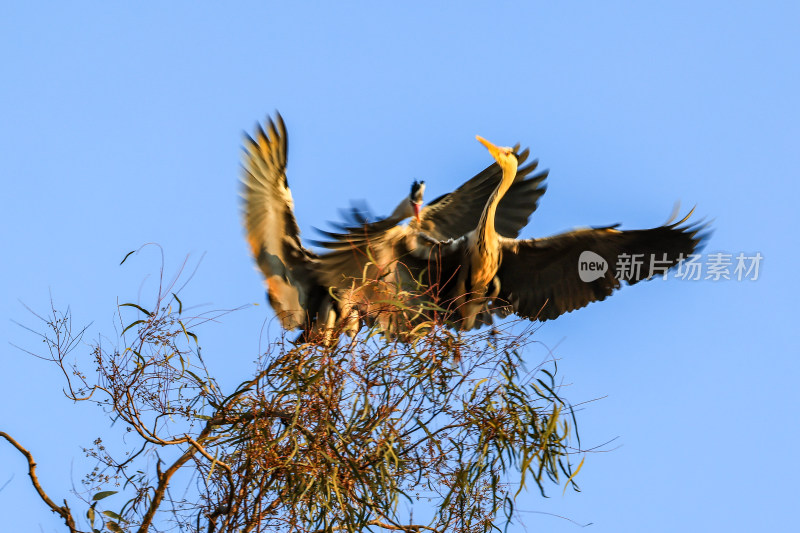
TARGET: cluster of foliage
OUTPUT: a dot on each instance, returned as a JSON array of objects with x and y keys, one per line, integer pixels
[{"x": 324, "y": 436}]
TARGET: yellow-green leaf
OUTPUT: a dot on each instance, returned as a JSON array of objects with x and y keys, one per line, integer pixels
[
  {"x": 103, "y": 494},
  {"x": 575, "y": 473}
]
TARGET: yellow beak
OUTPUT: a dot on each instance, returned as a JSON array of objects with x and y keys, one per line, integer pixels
[{"x": 494, "y": 150}]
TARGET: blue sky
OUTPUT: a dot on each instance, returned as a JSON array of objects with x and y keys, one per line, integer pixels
[{"x": 121, "y": 125}]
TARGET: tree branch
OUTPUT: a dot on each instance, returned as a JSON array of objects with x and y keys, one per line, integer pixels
[
  {"x": 214, "y": 460},
  {"x": 64, "y": 511},
  {"x": 163, "y": 481}
]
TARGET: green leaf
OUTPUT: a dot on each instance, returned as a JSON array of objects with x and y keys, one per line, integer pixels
[
  {"x": 127, "y": 256},
  {"x": 112, "y": 514},
  {"x": 131, "y": 325},
  {"x": 113, "y": 526},
  {"x": 103, "y": 494},
  {"x": 575, "y": 473},
  {"x": 180, "y": 303},
  {"x": 140, "y": 308},
  {"x": 197, "y": 378},
  {"x": 188, "y": 333},
  {"x": 90, "y": 515},
  {"x": 475, "y": 390}
]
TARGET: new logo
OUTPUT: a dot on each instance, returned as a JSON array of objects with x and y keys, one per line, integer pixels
[{"x": 591, "y": 266}]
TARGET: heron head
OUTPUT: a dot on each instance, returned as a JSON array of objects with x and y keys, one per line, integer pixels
[
  {"x": 504, "y": 155},
  {"x": 415, "y": 198}
]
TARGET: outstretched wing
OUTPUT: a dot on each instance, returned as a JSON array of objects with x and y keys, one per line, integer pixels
[
  {"x": 541, "y": 278},
  {"x": 457, "y": 213},
  {"x": 272, "y": 230}
]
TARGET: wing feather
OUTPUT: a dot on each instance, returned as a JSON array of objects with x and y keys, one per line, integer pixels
[
  {"x": 540, "y": 279},
  {"x": 272, "y": 230}
]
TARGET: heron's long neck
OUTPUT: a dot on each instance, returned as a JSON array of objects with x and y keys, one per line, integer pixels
[{"x": 486, "y": 232}]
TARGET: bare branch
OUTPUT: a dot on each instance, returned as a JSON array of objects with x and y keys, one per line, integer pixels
[
  {"x": 64, "y": 512},
  {"x": 202, "y": 450}
]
